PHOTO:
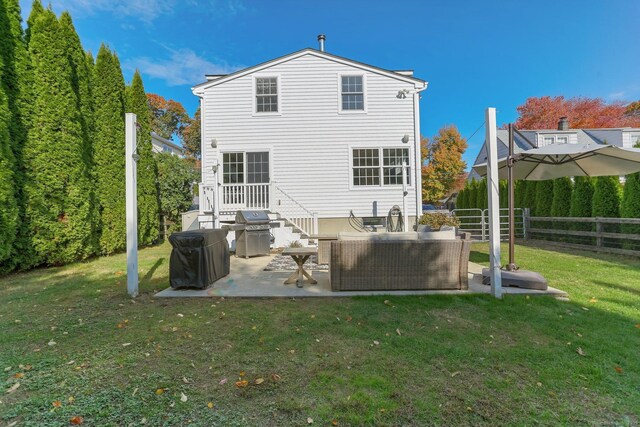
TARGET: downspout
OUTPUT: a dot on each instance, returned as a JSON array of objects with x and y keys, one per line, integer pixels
[{"x": 416, "y": 139}]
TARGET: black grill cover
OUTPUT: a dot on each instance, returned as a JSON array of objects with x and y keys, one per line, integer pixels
[{"x": 198, "y": 258}]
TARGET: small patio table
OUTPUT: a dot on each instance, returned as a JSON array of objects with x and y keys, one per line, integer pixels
[{"x": 300, "y": 256}]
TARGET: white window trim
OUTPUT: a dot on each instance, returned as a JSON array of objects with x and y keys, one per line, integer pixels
[
  {"x": 566, "y": 137},
  {"x": 381, "y": 166},
  {"x": 364, "y": 93},
  {"x": 254, "y": 99}
]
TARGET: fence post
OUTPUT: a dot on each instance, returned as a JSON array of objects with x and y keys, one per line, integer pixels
[
  {"x": 599, "y": 238},
  {"x": 483, "y": 224},
  {"x": 526, "y": 213},
  {"x": 315, "y": 223}
]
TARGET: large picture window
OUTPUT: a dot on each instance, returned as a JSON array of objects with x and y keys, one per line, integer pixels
[
  {"x": 375, "y": 166},
  {"x": 267, "y": 94},
  {"x": 352, "y": 93}
]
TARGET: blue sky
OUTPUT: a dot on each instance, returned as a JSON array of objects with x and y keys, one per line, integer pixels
[{"x": 474, "y": 54}]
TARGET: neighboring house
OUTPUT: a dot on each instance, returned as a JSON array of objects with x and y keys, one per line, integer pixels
[
  {"x": 621, "y": 137},
  {"x": 163, "y": 145},
  {"x": 312, "y": 137}
]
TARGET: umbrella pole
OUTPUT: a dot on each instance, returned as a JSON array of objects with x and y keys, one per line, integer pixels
[{"x": 511, "y": 266}]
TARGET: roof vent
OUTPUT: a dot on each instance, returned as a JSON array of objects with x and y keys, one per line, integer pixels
[
  {"x": 563, "y": 123},
  {"x": 321, "y": 39}
]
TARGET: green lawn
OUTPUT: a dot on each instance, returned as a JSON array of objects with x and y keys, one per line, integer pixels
[{"x": 78, "y": 346}]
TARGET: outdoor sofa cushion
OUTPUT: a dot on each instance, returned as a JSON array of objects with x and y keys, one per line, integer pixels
[{"x": 409, "y": 235}]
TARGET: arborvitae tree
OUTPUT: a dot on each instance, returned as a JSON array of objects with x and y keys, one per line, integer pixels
[
  {"x": 504, "y": 193},
  {"x": 36, "y": 10},
  {"x": 8, "y": 204},
  {"x": 108, "y": 92},
  {"x": 57, "y": 182},
  {"x": 148, "y": 204},
  {"x": 529, "y": 197},
  {"x": 582, "y": 197},
  {"x": 15, "y": 77},
  {"x": 561, "y": 204},
  {"x": 631, "y": 203},
  {"x": 483, "y": 196},
  {"x": 521, "y": 188},
  {"x": 544, "y": 197},
  {"x": 81, "y": 84},
  {"x": 461, "y": 200},
  {"x": 606, "y": 197}
]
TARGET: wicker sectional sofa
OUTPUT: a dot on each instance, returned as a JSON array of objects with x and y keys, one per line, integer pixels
[{"x": 406, "y": 263}]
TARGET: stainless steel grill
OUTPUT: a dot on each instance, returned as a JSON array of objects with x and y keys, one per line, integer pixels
[{"x": 253, "y": 233}]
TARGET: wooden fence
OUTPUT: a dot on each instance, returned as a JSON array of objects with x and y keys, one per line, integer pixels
[{"x": 600, "y": 234}]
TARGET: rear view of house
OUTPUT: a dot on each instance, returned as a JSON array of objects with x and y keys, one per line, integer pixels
[{"x": 311, "y": 137}]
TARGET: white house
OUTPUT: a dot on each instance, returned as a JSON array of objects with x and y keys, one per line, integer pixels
[
  {"x": 312, "y": 137},
  {"x": 164, "y": 145},
  {"x": 530, "y": 138}
]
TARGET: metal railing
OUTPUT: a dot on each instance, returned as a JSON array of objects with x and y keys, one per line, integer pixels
[
  {"x": 292, "y": 211},
  {"x": 476, "y": 222}
]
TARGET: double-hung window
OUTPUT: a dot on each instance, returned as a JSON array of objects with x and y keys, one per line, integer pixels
[
  {"x": 266, "y": 94},
  {"x": 562, "y": 139},
  {"x": 352, "y": 93},
  {"x": 373, "y": 167}
]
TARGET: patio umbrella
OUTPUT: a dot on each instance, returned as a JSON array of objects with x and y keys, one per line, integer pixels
[{"x": 557, "y": 161}]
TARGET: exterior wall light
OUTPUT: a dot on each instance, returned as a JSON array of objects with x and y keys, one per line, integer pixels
[
  {"x": 405, "y": 138},
  {"x": 214, "y": 143},
  {"x": 214, "y": 168}
]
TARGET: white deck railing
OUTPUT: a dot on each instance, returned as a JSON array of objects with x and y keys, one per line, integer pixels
[
  {"x": 244, "y": 196},
  {"x": 291, "y": 210},
  {"x": 207, "y": 198}
]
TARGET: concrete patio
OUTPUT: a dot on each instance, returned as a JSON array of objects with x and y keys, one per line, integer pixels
[{"x": 249, "y": 280}]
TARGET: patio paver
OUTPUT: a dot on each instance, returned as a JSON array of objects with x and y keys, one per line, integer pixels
[{"x": 249, "y": 280}]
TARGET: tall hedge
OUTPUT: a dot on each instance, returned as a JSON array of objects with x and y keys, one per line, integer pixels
[
  {"x": 529, "y": 198},
  {"x": 15, "y": 77},
  {"x": 8, "y": 203},
  {"x": 57, "y": 180},
  {"x": 561, "y": 203},
  {"x": 148, "y": 204},
  {"x": 108, "y": 92},
  {"x": 582, "y": 197},
  {"x": 482, "y": 201},
  {"x": 606, "y": 197},
  {"x": 631, "y": 203},
  {"x": 520, "y": 190},
  {"x": 544, "y": 198},
  {"x": 503, "y": 188}
]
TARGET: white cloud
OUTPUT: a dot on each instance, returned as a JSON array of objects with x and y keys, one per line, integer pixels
[
  {"x": 617, "y": 96},
  {"x": 181, "y": 67}
]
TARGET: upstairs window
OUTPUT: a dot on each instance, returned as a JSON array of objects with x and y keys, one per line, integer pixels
[
  {"x": 352, "y": 93},
  {"x": 267, "y": 94},
  {"x": 562, "y": 139}
]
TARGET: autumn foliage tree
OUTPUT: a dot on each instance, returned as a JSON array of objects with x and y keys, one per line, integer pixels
[
  {"x": 168, "y": 117},
  {"x": 443, "y": 155},
  {"x": 583, "y": 113}
]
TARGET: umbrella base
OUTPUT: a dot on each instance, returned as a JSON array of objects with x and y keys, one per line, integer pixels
[{"x": 523, "y": 279}]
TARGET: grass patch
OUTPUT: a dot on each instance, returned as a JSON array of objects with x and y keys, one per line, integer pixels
[{"x": 468, "y": 360}]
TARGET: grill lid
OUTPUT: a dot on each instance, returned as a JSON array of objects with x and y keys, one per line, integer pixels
[{"x": 252, "y": 217}]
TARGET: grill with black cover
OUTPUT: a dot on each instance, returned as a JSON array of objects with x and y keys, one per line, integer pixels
[{"x": 198, "y": 258}]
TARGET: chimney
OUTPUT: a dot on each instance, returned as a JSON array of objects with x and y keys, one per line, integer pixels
[
  {"x": 321, "y": 39},
  {"x": 563, "y": 123}
]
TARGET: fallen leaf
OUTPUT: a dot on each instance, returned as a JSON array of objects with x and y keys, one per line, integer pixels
[
  {"x": 638, "y": 325},
  {"x": 593, "y": 300},
  {"x": 242, "y": 384},
  {"x": 13, "y": 388},
  {"x": 77, "y": 420},
  {"x": 580, "y": 351},
  {"x": 120, "y": 325},
  {"x": 51, "y": 343},
  {"x": 618, "y": 369},
  {"x": 127, "y": 344},
  {"x": 183, "y": 397},
  {"x": 119, "y": 273},
  {"x": 71, "y": 399},
  {"x": 18, "y": 375},
  {"x": 259, "y": 381},
  {"x": 180, "y": 315},
  {"x": 242, "y": 373},
  {"x": 539, "y": 384},
  {"x": 223, "y": 381},
  {"x": 382, "y": 410},
  {"x": 185, "y": 380},
  {"x": 455, "y": 373},
  {"x": 334, "y": 422},
  {"x": 159, "y": 391},
  {"x": 398, "y": 332},
  {"x": 210, "y": 405},
  {"x": 376, "y": 342},
  {"x": 71, "y": 362},
  {"x": 387, "y": 302},
  {"x": 8, "y": 368},
  {"x": 309, "y": 420},
  {"x": 56, "y": 403},
  {"x": 275, "y": 377},
  {"x": 349, "y": 318}
]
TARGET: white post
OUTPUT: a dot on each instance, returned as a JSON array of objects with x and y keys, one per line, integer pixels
[
  {"x": 132, "y": 204},
  {"x": 404, "y": 197},
  {"x": 494, "y": 203}
]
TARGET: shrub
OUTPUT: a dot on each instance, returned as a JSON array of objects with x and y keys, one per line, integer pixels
[
  {"x": 561, "y": 203},
  {"x": 436, "y": 220},
  {"x": 606, "y": 197}
]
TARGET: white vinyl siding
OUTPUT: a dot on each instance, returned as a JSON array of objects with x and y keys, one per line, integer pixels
[{"x": 310, "y": 140}]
